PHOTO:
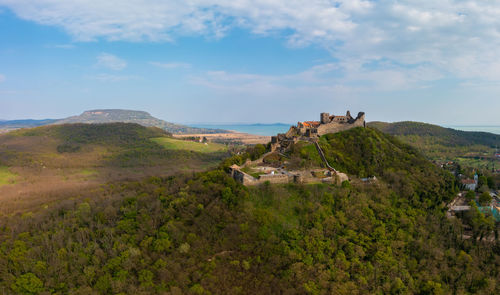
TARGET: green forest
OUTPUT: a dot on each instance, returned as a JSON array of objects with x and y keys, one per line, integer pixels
[
  {"x": 204, "y": 233},
  {"x": 466, "y": 148}
]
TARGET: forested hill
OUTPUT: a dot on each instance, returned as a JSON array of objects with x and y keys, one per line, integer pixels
[
  {"x": 97, "y": 145},
  {"x": 366, "y": 152},
  {"x": 42, "y": 165},
  {"x": 441, "y": 135},
  {"x": 207, "y": 234},
  {"x": 471, "y": 149}
]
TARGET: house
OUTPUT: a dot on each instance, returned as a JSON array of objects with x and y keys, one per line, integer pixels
[{"x": 470, "y": 184}]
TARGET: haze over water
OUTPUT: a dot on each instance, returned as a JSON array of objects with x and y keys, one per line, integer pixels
[
  {"x": 491, "y": 129},
  {"x": 258, "y": 129}
]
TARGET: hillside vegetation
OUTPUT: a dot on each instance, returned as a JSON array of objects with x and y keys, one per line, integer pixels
[
  {"x": 6, "y": 177},
  {"x": 52, "y": 162},
  {"x": 468, "y": 148},
  {"x": 207, "y": 234},
  {"x": 444, "y": 136},
  {"x": 367, "y": 152}
]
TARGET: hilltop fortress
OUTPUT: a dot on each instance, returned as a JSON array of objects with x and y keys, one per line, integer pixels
[
  {"x": 308, "y": 131},
  {"x": 313, "y": 129}
]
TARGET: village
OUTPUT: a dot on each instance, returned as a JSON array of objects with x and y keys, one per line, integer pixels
[{"x": 476, "y": 190}]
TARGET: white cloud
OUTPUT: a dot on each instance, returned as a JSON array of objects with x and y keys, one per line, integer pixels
[
  {"x": 171, "y": 65},
  {"x": 161, "y": 20},
  {"x": 112, "y": 78},
  {"x": 459, "y": 38},
  {"x": 61, "y": 46},
  {"x": 111, "y": 62},
  {"x": 350, "y": 76}
]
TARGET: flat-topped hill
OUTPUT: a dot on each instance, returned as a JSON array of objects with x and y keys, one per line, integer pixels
[
  {"x": 130, "y": 116},
  {"x": 112, "y": 116}
]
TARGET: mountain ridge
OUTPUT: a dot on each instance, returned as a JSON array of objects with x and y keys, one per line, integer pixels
[{"x": 112, "y": 116}]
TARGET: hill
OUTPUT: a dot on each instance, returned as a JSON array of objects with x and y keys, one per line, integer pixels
[
  {"x": 367, "y": 152},
  {"x": 444, "y": 136},
  {"x": 48, "y": 163},
  {"x": 112, "y": 116},
  {"x": 207, "y": 234},
  {"x": 13, "y": 124},
  {"x": 468, "y": 148},
  {"x": 8, "y": 125},
  {"x": 129, "y": 116}
]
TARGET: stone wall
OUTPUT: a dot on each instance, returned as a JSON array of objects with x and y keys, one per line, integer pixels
[
  {"x": 243, "y": 178},
  {"x": 334, "y": 127},
  {"x": 274, "y": 178}
]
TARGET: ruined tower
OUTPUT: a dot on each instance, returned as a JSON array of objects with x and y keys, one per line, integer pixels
[{"x": 325, "y": 118}]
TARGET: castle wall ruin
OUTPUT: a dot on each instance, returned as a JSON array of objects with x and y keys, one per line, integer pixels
[{"x": 313, "y": 129}]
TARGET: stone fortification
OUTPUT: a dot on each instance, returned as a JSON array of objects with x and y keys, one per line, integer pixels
[
  {"x": 310, "y": 130},
  {"x": 307, "y": 131},
  {"x": 287, "y": 177},
  {"x": 247, "y": 179}
]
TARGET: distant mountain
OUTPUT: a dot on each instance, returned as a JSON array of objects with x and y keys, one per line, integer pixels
[
  {"x": 14, "y": 124},
  {"x": 113, "y": 116}
]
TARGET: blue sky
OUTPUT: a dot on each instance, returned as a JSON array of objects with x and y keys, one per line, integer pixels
[{"x": 216, "y": 61}]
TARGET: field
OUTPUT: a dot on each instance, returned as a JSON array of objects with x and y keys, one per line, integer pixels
[
  {"x": 478, "y": 163},
  {"x": 177, "y": 144}
]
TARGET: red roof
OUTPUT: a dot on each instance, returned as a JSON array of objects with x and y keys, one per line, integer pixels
[
  {"x": 468, "y": 181},
  {"x": 311, "y": 123}
]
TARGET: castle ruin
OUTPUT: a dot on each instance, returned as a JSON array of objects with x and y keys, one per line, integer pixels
[
  {"x": 305, "y": 131},
  {"x": 310, "y": 130}
]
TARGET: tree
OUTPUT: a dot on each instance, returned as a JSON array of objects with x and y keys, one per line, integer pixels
[
  {"x": 485, "y": 198},
  {"x": 28, "y": 284},
  {"x": 491, "y": 182},
  {"x": 482, "y": 181},
  {"x": 481, "y": 226},
  {"x": 257, "y": 151},
  {"x": 470, "y": 195}
]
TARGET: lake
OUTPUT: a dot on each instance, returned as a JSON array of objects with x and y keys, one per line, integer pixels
[{"x": 258, "y": 129}]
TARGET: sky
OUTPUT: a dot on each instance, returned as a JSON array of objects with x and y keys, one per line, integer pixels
[{"x": 242, "y": 61}]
